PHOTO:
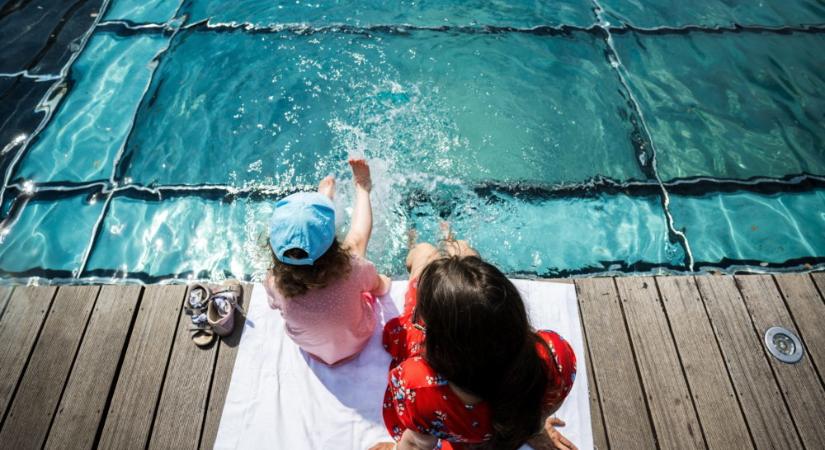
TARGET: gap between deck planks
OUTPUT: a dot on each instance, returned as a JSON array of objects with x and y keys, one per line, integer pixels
[
  {"x": 669, "y": 399},
  {"x": 93, "y": 375},
  {"x": 626, "y": 417},
  {"x": 19, "y": 329},
  {"x": 41, "y": 387},
  {"x": 112, "y": 366},
  {"x": 799, "y": 382},
  {"x": 227, "y": 351},
  {"x": 704, "y": 369},
  {"x": 5, "y": 294}
]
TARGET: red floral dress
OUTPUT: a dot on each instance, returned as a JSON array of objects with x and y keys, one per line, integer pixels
[{"x": 417, "y": 398}]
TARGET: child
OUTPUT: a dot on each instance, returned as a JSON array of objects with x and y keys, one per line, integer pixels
[{"x": 324, "y": 289}]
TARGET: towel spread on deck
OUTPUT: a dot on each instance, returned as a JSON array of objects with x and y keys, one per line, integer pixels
[{"x": 280, "y": 398}]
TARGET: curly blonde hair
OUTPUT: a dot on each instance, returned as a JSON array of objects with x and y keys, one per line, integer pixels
[{"x": 293, "y": 280}]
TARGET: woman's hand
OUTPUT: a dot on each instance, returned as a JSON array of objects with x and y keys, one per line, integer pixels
[
  {"x": 383, "y": 446},
  {"x": 559, "y": 441},
  {"x": 410, "y": 440},
  {"x": 550, "y": 438}
]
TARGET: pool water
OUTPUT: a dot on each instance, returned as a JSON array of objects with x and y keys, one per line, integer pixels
[{"x": 560, "y": 138}]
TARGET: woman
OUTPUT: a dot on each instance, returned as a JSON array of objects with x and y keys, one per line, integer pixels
[{"x": 467, "y": 370}]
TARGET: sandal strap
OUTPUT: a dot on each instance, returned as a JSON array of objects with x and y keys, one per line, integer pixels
[
  {"x": 233, "y": 289},
  {"x": 200, "y": 319},
  {"x": 204, "y": 301}
]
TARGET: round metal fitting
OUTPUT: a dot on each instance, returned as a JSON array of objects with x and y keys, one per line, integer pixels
[{"x": 783, "y": 344}]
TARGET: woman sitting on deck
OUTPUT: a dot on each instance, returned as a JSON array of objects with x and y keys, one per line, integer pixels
[{"x": 466, "y": 366}]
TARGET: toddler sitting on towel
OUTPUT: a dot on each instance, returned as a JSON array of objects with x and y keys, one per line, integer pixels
[{"x": 324, "y": 289}]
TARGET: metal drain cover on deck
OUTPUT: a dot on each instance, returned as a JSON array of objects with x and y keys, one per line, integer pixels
[{"x": 783, "y": 344}]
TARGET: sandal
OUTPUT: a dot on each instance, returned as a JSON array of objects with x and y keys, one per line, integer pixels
[
  {"x": 202, "y": 333},
  {"x": 196, "y": 305},
  {"x": 220, "y": 312},
  {"x": 198, "y": 296}
]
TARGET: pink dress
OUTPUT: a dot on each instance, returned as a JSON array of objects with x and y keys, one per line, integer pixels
[{"x": 335, "y": 322}]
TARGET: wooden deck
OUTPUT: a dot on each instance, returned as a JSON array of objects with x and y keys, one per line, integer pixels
[{"x": 674, "y": 363}]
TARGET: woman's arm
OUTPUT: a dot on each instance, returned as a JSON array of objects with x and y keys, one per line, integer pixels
[
  {"x": 411, "y": 440},
  {"x": 550, "y": 438},
  {"x": 361, "y": 229}
]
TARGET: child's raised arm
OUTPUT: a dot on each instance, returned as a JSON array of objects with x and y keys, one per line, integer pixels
[{"x": 361, "y": 229}]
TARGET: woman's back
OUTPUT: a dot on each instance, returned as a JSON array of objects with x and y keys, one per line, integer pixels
[{"x": 465, "y": 329}]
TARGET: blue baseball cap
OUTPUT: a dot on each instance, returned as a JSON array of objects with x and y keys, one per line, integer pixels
[{"x": 306, "y": 221}]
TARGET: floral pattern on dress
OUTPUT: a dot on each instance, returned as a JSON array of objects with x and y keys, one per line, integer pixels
[{"x": 420, "y": 399}]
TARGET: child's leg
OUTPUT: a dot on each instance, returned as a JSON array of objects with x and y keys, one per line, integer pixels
[
  {"x": 453, "y": 247},
  {"x": 459, "y": 248},
  {"x": 418, "y": 258},
  {"x": 359, "y": 234},
  {"x": 327, "y": 186}
]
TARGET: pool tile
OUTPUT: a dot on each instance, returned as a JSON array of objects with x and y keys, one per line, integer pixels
[
  {"x": 178, "y": 237},
  {"x": 558, "y": 236},
  {"x": 713, "y": 13},
  {"x": 142, "y": 11},
  {"x": 185, "y": 236},
  {"x": 19, "y": 117},
  {"x": 93, "y": 120},
  {"x": 48, "y": 234},
  {"x": 515, "y": 13},
  {"x": 751, "y": 227},
  {"x": 40, "y": 36},
  {"x": 423, "y": 103},
  {"x": 730, "y": 105}
]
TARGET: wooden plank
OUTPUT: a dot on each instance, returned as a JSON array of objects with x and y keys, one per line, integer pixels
[
  {"x": 93, "y": 375},
  {"x": 668, "y": 396},
  {"x": 765, "y": 412},
  {"x": 808, "y": 311},
  {"x": 626, "y": 417},
  {"x": 819, "y": 280},
  {"x": 19, "y": 328},
  {"x": 129, "y": 419},
  {"x": 5, "y": 294},
  {"x": 799, "y": 382},
  {"x": 596, "y": 420},
  {"x": 227, "y": 351},
  {"x": 186, "y": 389},
  {"x": 42, "y": 384},
  {"x": 713, "y": 395}
]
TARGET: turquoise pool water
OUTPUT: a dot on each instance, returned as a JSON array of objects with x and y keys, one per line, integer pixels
[{"x": 561, "y": 138}]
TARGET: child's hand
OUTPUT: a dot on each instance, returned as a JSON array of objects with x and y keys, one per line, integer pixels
[
  {"x": 386, "y": 285},
  {"x": 361, "y": 173}
]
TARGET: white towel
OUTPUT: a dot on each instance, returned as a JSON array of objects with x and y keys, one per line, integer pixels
[{"x": 281, "y": 399}]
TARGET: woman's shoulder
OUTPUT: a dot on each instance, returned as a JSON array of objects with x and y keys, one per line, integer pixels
[
  {"x": 561, "y": 365},
  {"x": 556, "y": 352},
  {"x": 553, "y": 340}
]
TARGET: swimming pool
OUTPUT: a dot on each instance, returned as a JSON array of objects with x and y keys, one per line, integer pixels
[{"x": 561, "y": 138}]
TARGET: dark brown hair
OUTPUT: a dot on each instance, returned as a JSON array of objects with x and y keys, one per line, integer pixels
[
  {"x": 293, "y": 280},
  {"x": 478, "y": 337}
]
